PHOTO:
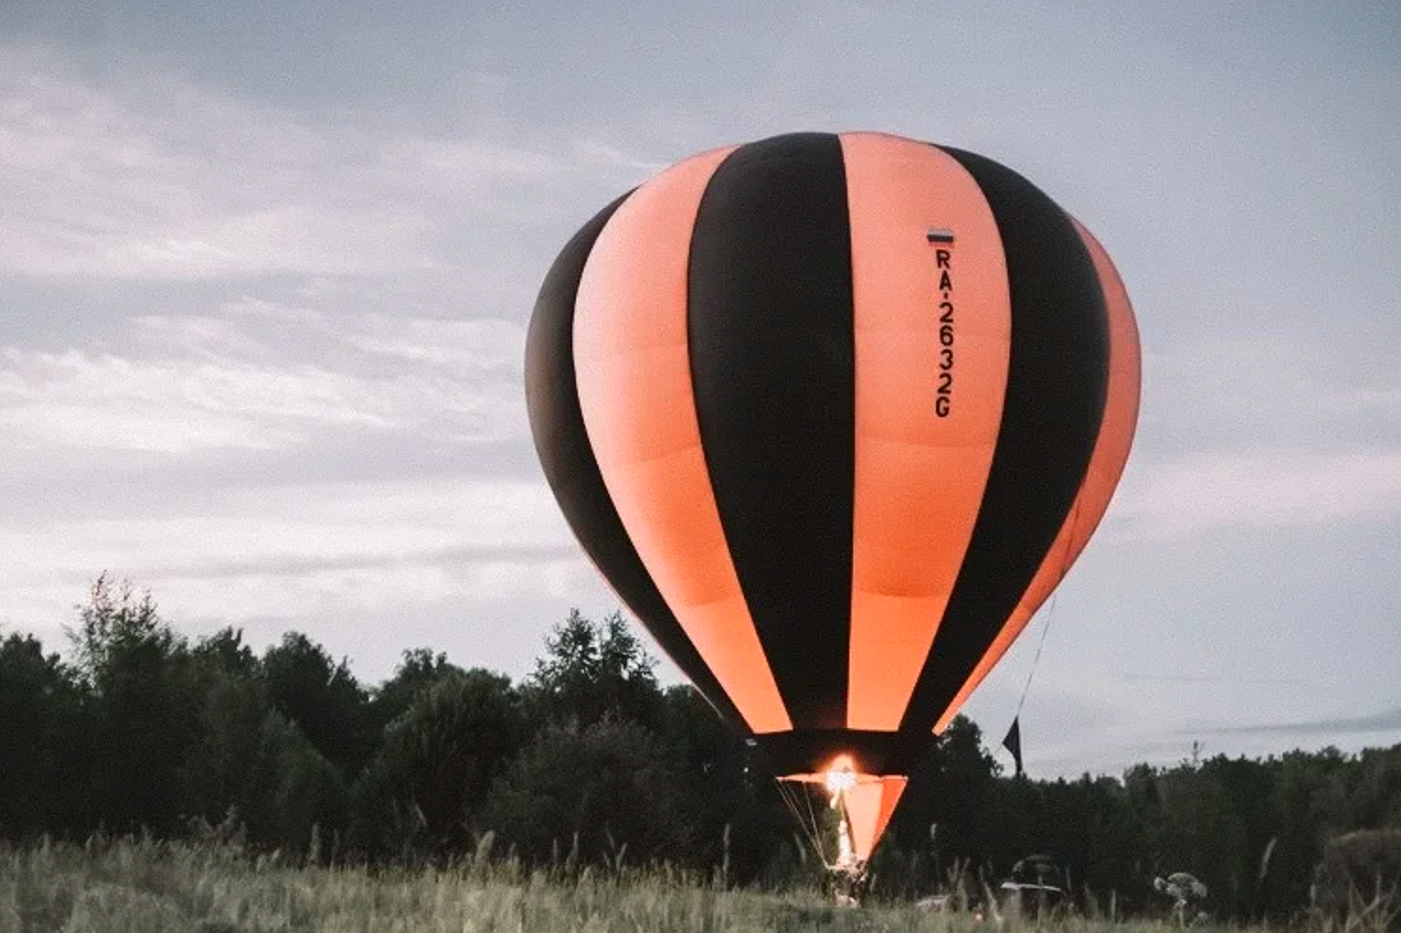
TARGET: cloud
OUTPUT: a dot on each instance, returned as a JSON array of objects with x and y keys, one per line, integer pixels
[
  {"x": 154, "y": 178},
  {"x": 263, "y": 376},
  {"x": 1260, "y": 432},
  {"x": 151, "y": 176},
  {"x": 342, "y": 335},
  {"x": 273, "y": 565},
  {"x": 1385, "y": 721},
  {"x": 269, "y": 528},
  {"x": 341, "y": 560},
  {"x": 80, "y": 400},
  {"x": 1212, "y": 679},
  {"x": 1268, "y": 391},
  {"x": 1197, "y": 493}
]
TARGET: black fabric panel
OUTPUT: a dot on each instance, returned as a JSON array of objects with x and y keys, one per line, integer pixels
[
  {"x": 557, "y": 425},
  {"x": 770, "y": 325},
  {"x": 1056, "y": 386},
  {"x": 810, "y": 751}
]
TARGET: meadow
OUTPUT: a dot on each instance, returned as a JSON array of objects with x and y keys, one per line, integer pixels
[
  {"x": 137, "y": 886},
  {"x": 151, "y": 887}
]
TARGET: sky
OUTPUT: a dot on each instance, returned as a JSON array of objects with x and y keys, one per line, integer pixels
[{"x": 266, "y": 268}]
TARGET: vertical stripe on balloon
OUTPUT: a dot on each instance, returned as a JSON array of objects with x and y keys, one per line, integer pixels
[
  {"x": 1101, "y": 478},
  {"x": 1056, "y": 386},
  {"x": 932, "y": 316},
  {"x": 771, "y": 345},
  {"x": 635, "y": 391},
  {"x": 557, "y": 426}
]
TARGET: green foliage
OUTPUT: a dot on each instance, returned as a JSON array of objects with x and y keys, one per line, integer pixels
[
  {"x": 40, "y": 708},
  {"x": 951, "y": 789},
  {"x": 142, "y": 696},
  {"x": 732, "y": 807},
  {"x": 323, "y": 698},
  {"x": 115, "y": 630},
  {"x": 437, "y": 762},
  {"x": 591, "y": 668},
  {"x": 419, "y": 670},
  {"x": 606, "y": 785},
  {"x": 225, "y": 653},
  {"x": 296, "y": 788},
  {"x": 218, "y": 771}
]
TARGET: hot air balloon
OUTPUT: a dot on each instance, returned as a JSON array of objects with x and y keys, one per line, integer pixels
[{"x": 833, "y": 414}]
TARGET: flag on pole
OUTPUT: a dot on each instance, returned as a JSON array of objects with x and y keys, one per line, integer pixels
[{"x": 1013, "y": 742}]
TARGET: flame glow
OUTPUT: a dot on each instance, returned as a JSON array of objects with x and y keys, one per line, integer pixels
[{"x": 839, "y": 777}]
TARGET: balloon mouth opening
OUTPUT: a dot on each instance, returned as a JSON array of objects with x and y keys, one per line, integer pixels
[
  {"x": 862, "y": 804},
  {"x": 840, "y": 774}
]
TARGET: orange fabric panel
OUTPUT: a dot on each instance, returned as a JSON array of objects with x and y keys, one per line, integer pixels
[
  {"x": 919, "y": 476},
  {"x": 1102, "y": 477},
  {"x": 869, "y": 806},
  {"x": 634, "y": 381}
]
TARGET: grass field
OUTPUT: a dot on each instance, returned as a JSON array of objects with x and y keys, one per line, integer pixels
[{"x": 137, "y": 887}]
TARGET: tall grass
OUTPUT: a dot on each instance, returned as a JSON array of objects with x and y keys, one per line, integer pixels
[{"x": 138, "y": 886}]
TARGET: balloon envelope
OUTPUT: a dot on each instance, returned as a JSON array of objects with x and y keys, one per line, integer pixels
[{"x": 833, "y": 414}]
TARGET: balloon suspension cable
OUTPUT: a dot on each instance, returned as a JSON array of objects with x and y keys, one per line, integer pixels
[
  {"x": 1050, "y": 611},
  {"x": 809, "y": 825},
  {"x": 816, "y": 827},
  {"x": 1045, "y": 629}
]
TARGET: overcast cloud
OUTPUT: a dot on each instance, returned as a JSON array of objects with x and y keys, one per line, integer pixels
[{"x": 265, "y": 272}]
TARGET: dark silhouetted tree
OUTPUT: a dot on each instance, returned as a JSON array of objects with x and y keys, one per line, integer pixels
[
  {"x": 591, "y": 668},
  {"x": 295, "y": 788},
  {"x": 40, "y": 730},
  {"x": 609, "y": 784},
  {"x": 219, "y": 773},
  {"x": 418, "y": 671},
  {"x": 729, "y": 801},
  {"x": 437, "y": 763},
  {"x": 323, "y": 699},
  {"x": 142, "y": 699}
]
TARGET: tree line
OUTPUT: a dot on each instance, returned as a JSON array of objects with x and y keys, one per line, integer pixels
[{"x": 589, "y": 760}]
